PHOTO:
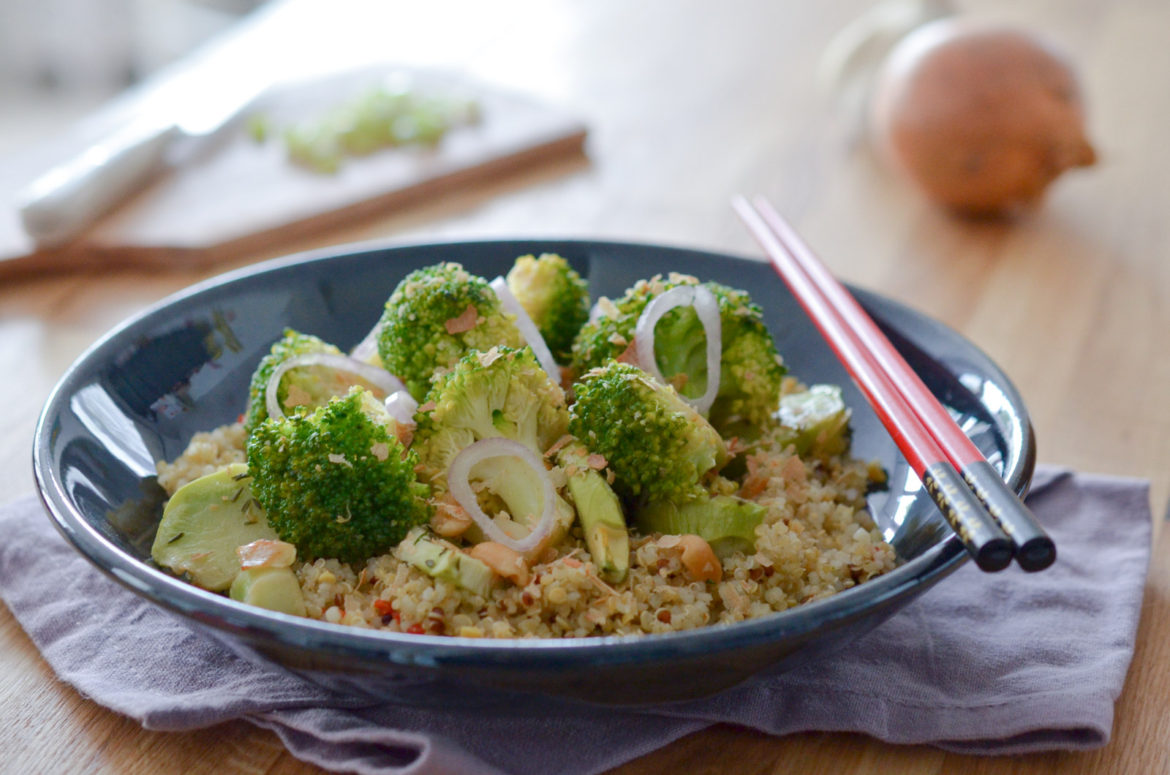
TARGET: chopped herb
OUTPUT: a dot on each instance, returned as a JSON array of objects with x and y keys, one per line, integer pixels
[{"x": 258, "y": 127}]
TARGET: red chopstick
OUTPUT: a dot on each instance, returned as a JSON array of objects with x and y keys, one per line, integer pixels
[{"x": 991, "y": 521}]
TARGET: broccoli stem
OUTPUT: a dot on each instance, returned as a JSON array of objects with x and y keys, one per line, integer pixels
[
  {"x": 726, "y": 522},
  {"x": 816, "y": 421},
  {"x": 599, "y": 511},
  {"x": 276, "y": 589},
  {"x": 602, "y": 523},
  {"x": 441, "y": 560}
]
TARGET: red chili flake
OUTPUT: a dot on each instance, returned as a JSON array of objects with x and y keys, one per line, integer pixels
[
  {"x": 240, "y": 418},
  {"x": 415, "y": 629},
  {"x": 630, "y": 354},
  {"x": 384, "y": 607},
  {"x": 436, "y": 621},
  {"x": 664, "y": 616}
]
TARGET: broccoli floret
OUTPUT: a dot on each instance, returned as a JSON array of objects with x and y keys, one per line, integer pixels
[
  {"x": 336, "y": 482},
  {"x": 302, "y": 388},
  {"x": 657, "y": 445},
  {"x": 751, "y": 370},
  {"x": 434, "y": 317},
  {"x": 554, "y": 296},
  {"x": 302, "y": 382},
  {"x": 501, "y": 392}
]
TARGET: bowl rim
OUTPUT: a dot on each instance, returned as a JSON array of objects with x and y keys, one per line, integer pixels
[{"x": 324, "y": 638}]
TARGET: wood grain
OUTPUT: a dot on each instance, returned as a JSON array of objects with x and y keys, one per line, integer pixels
[{"x": 688, "y": 104}]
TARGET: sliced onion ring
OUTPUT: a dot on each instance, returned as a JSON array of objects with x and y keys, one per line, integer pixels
[
  {"x": 459, "y": 484},
  {"x": 527, "y": 328},
  {"x": 401, "y": 406},
  {"x": 375, "y": 375},
  {"x": 707, "y": 308},
  {"x": 368, "y": 346}
]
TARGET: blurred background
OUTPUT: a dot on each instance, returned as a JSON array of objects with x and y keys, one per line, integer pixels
[{"x": 59, "y": 59}]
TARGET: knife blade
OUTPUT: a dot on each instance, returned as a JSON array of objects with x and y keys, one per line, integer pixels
[{"x": 180, "y": 117}]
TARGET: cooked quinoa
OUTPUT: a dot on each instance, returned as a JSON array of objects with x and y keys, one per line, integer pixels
[{"x": 816, "y": 539}]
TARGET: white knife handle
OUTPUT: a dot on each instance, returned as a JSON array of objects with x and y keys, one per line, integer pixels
[{"x": 69, "y": 197}]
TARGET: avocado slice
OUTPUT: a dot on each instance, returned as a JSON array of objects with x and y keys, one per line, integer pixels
[
  {"x": 442, "y": 560},
  {"x": 816, "y": 422},
  {"x": 600, "y": 515},
  {"x": 276, "y": 589},
  {"x": 204, "y": 522},
  {"x": 726, "y": 522}
]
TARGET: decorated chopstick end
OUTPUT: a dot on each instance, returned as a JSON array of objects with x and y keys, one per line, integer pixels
[
  {"x": 987, "y": 544},
  {"x": 1035, "y": 550}
]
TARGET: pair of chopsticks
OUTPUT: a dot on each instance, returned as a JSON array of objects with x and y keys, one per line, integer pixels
[{"x": 990, "y": 520}]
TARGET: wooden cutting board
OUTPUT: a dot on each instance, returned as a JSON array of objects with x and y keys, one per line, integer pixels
[{"x": 239, "y": 194}]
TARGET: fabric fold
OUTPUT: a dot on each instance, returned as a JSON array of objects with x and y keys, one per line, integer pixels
[{"x": 982, "y": 663}]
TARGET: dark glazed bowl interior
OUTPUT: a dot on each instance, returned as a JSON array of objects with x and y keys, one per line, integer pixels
[{"x": 139, "y": 394}]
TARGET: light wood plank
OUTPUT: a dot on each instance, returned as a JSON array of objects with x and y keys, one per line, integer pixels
[{"x": 687, "y": 105}]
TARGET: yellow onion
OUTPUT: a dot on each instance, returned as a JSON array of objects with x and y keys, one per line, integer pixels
[{"x": 982, "y": 117}]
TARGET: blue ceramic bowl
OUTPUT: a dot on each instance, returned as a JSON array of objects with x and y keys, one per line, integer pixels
[{"x": 183, "y": 366}]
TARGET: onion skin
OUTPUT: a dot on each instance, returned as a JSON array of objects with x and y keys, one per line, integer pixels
[{"x": 982, "y": 118}]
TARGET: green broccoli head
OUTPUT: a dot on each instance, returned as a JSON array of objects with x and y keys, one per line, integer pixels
[
  {"x": 657, "y": 445},
  {"x": 500, "y": 392},
  {"x": 336, "y": 482},
  {"x": 554, "y": 296},
  {"x": 751, "y": 371},
  {"x": 434, "y": 317},
  {"x": 309, "y": 387}
]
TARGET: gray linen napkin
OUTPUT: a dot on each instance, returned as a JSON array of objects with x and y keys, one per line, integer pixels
[{"x": 982, "y": 663}]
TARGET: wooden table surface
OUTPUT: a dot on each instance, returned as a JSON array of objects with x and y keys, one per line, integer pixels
[{"x": 688, "y": 103}]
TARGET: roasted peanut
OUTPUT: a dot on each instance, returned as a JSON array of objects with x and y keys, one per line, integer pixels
[
  {"x": 506, "y": 562},
  {"x": 450, "y": 520},
  {"x": 699, "y": 559}
]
